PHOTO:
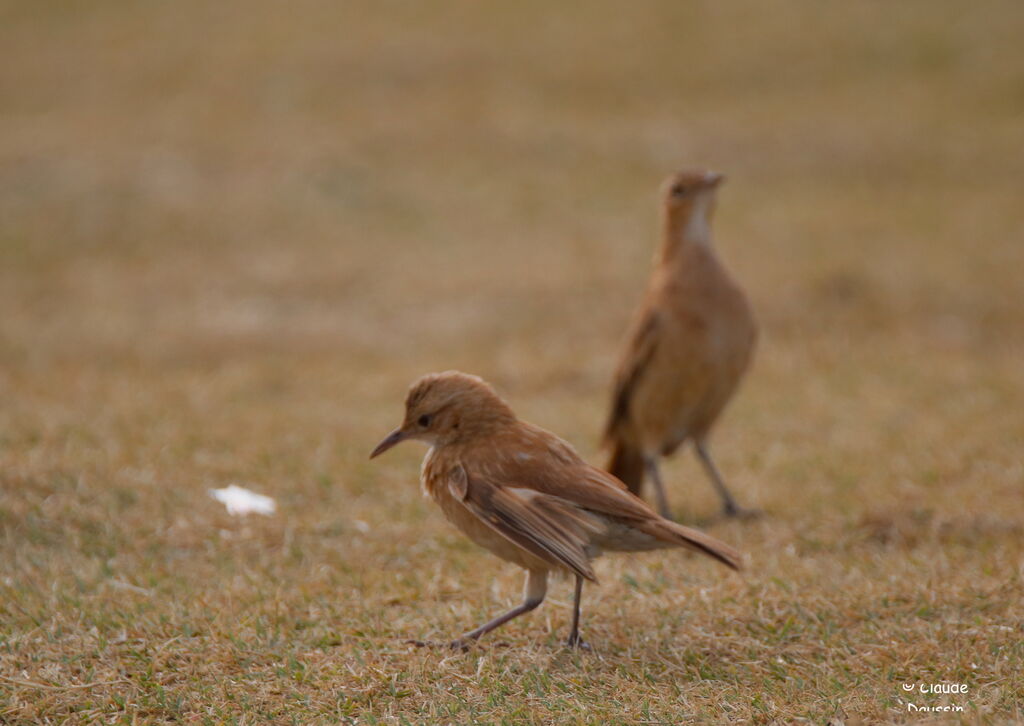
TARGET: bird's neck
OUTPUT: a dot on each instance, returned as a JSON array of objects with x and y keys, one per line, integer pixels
[
  {"x": 682, "y": 238},
  {"x": 686, "y": 228}
]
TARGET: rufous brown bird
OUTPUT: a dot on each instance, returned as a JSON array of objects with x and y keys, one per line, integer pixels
[
  {"x": 689, "y": 346},
  {"x": 525, "y": 494}
]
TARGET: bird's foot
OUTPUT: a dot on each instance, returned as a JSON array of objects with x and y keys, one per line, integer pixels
[
  {"x": 734, "y": 511},
  {"x": 576, "y": 642},
  {"x": 459, "y": 644}
]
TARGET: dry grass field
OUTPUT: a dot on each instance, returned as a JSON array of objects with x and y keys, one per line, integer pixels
[{"x": 231, "y": 234}]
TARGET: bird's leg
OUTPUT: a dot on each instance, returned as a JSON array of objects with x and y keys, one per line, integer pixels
[
  {"x": 533, "y": 595},
  {"x": 575, "y": 641},
  {"x": 729, "y": 505},
  {"x": 651, "y": 462}
]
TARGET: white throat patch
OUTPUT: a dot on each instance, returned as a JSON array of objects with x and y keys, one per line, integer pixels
[{"x": 697, "y": 227}]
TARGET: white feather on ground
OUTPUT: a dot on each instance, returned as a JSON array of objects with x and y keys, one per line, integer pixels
[{"x": 240, "y": 500}]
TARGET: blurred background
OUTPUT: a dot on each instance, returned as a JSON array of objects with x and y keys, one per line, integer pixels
[{"x": 232, "y": 233}]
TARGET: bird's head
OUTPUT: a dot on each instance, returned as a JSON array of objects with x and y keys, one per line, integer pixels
[
  {"x": 444, "y": 407},
  {"x": 688, "y": 199}
]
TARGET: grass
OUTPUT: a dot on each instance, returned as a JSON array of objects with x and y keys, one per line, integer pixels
[{"x": 230, "y": 236}]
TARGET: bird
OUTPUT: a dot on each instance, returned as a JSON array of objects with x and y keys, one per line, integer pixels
[
  {"x": 525, "y": 495},
  {"x": 689, "y": 345}
]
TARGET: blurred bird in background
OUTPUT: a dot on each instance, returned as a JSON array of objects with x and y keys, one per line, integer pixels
[
  {"x": 525, "y": 494},
  {"x": 690, "y": 343}
]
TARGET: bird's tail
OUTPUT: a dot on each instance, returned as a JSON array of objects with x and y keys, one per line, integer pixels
[
  {"x": 683, "y": 536},
  {"x": 627, "y": 465}
]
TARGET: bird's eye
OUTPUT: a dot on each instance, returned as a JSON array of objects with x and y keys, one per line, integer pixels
[
  {"x": 424, "y": 420},
  {"x": 678, "y": 190}
]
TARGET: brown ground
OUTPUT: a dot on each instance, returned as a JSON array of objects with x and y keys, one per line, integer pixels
[{"x": 231, "y": 234}]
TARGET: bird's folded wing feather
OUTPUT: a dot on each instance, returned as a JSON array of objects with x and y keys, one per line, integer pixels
[
  {"x": 548, "y": 528},
  {"x": 591, "y": 488},
  {"x": 643, "y": 341},
  {"x": 583, "y": 487}
]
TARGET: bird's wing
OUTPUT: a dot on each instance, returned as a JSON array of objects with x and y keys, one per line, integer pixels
[
  {"x": 545, "y": 526},
  {"x": 562, "y": 476},
  {"x": 590, "y": 488},
  {"x": 643, "y": 342}
]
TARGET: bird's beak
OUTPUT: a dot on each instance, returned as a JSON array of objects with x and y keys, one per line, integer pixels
[
  {"x": 713, "y": 178},
  {"x": 395, "y": 437}
]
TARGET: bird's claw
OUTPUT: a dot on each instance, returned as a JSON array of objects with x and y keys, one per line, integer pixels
[
  {"x": 575, "y": 642},
  {"x": 460, "y": 645},
  {"x": 737, "y": 512}
]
